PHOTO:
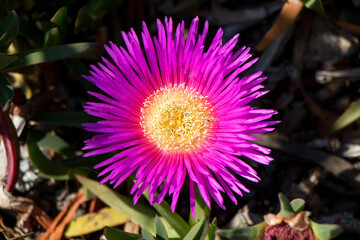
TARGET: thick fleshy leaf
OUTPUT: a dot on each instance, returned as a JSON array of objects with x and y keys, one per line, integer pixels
[
  {"x": 138, "y": 213},
  {"x": 325, "y": 231},
  {"x": 174, "y": 219},
  {"x": 314, "y": 4},
  {"x": 44, "y": 164},
  {"x": 55, "y": 35},
  {"x": 285, "y": 207},
  {"x": 160, "y": 230},
  {"x": 93, "y": 222},
  {"x": 11, "y": 144},
  {"x": 69, "y": 118},
  {"x": 82, "y": 19},
  {"x": 297, "y": 205},
  {"x": 199, "y": 231},
  {"x": 6, "y": 93},
  {"x": 60, "y": 20},
  {"x": 52, "y": 37},
  {"x": 9, "y": 28},
  {"x": 116, "y": 234},
  {"x": 52, "y": 141},
  {"x": 6, "y": 59},
  {"x": 348, "y": 117},
  {"x": 249, "y": 233},
  {"x": 145, "y": 234},
  {"x": 212, "y": 229},
  {"x": 43, "y": 55}
]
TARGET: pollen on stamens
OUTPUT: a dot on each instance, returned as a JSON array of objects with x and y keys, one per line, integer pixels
[{"x": 176, "y": 118}]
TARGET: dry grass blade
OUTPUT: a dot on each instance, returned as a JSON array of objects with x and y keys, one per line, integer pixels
[
  {"x": 41, "y": 217},
  {"x": 287, "y": 16},
  {"x": 56, "y": 229},
  {"x": 353, "y": 28}
]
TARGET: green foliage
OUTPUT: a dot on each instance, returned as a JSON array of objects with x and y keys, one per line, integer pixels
[
  {"x": 9, "y": 28},
  {"x": 115, "y": 234},
  {"x": 160, "y": 230},
  {"x": 297, "y": 205},
  {"x": 197, "y": 232},
  {"x": 286, "y": 209},
  {"x": 314, "y": 4},
  {"x": 56, "y": 34},
  {"x": 325, "y": 231},
  {"x": 44, "y": 164},
  {"x": 348, "y": 117},
  {"x": 94, "y": 11},
  {"x": 52, "y": 141},
  {"x": 6, "y": 93},
  {"x": 42, "y": 55},
  {"x": 249, "y": 233},
  {"x": 138, "y": 213},
  {"x": 174, "y": 219}
]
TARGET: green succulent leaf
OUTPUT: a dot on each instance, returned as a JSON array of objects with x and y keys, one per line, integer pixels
[
  {"x": 325, "y": 231},
  {"x": 160, "y": 230},
  {"x": 42, "y": 55},
  {"x": 44, "y": 164},
  {"x": 212, "y": 229},
  {"x": 56, "y": 34},
  {"x": 314, "y": 4},
  {"x": 82, "y": 19},
  {"x": 174, "y": 219},
  {"x": 199, "y": 230},
  {"x": 6, "y": 59},
  {"x": 9, "y": 28},
  {"x": 297, "y": 205},
  {"x": 6, "y": 93},
  {"x": 146, "y": 234},
  {"x": 52, "y": 37},
  {"x": 52, "y": 141},
  {"x": 60, "y": 20},
  {"x": 138, "y": 213},
  {"x": 348, "y": 117},
  {"x": 116, "y": 234},
  {"x": 249, "y": 233},
  {"x": 286, "y": 209}
]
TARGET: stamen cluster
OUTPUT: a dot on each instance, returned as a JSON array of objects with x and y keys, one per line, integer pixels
[{"x": 176, "y": 118}]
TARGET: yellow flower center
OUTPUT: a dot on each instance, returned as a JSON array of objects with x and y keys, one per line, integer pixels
[{"x": 176, "y": 118}]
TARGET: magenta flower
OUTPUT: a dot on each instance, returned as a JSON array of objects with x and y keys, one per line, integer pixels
[{"x": 175, "y": 109}]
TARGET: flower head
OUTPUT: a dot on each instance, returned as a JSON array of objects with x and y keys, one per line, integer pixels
[{"x": 175, "y": 110}]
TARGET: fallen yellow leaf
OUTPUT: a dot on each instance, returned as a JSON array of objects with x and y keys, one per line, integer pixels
[{"x": 93, "y": 222}]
